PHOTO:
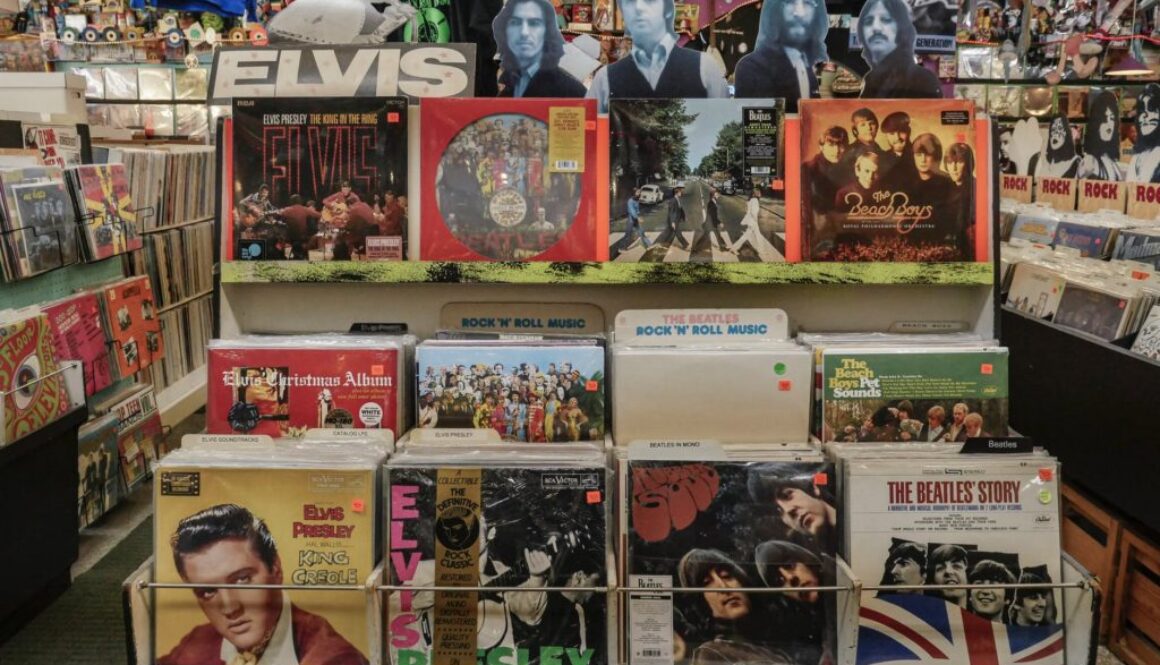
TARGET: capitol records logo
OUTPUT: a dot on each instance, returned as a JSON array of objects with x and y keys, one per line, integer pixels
[
  {"x": 508, "y": 207},
  {"x": 570, "y": 481}
]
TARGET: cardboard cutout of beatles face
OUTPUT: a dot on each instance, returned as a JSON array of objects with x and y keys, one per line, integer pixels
[
  {"x": 656, "y": 67},
  {"x": 530, "y": 47},
  {"x": 887, "y": 35},
  {"x": 791, "y": 37}
]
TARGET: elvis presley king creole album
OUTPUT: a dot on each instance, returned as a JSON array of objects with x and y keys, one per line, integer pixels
[
  {"x": 957, "y": 520},
  {"x": 318, "y": 178},
  {"x": 509, "y": 180},
  {"x": 890, "y": 180},
  {"x": 722, "y": 526},
  {"x": 908, "y": 394},
  {"x": 284, "y": 386},
  {"x": 543, "y": 525},
  {"x": 306, "y": 521}
]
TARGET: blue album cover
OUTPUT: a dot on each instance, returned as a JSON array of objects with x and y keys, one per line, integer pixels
[
  {"x": 1091, "y": 241},
  {"x": 1141, "y": 245},
  {"x": 539, "y": 393}
]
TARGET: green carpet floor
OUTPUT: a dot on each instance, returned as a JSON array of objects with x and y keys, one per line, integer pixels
[{"x": 86, "y": 625}]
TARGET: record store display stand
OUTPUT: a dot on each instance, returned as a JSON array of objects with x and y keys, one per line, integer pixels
[{"x": 273, "y": 297}]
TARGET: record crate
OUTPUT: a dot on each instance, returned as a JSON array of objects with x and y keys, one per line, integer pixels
[
  {"x": 1091, "y": 534},
  {"x": 1081, "y": 601},
  {"x": 1135, "y": 625}
]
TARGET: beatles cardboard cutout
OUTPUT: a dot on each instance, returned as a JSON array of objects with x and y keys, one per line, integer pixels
[{"x": 530, "y": 47}]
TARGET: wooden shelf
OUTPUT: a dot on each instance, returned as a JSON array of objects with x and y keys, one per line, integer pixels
[{"x": 596, "y": 274}]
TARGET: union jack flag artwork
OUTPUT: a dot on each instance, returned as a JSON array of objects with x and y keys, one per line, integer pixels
[{"x": 896, "y": 629}]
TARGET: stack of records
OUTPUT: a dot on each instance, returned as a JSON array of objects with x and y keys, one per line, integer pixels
[
  {"x": 186, "y": 331},
  {"x": 509, "y": 516},
  {"x": 33, "y": 393},
  {"x": 940, "y": 518},
  {"x": 140, "y": 439},
  {"x": 284, "y": 385},
  {"x": 727, "y": 520},
  {"x": 99, "y": 469},
  {"x": 1106, "y": 300},
  {"x": 535, "y": 391},
  {"x": 1147, "y": 342},
  {"x": 38, "y": 229},
  {"x": 509, "y": 180},
  {"x": 909, "y": 393},
  {"x": 77, "y": 334},
  {"x": 178, "y": 262},
  {"x": 726, "y": 377},
  {"x": 299, "y": 516},
  {"x": 130, "y": 314},
  {"x": 104, "y": 209}
]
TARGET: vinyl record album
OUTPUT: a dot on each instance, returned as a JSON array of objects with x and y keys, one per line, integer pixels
[
  {"x": 174, "y": 38},
  {"x": 133, "y": 34},
  {"x": 111, "y": 34},
  {"x": 69, "y": 36},
  {"x": 509, "y": 180},
  {"x": 237, "y": 35},
  {"x": 91, "y": 35}
]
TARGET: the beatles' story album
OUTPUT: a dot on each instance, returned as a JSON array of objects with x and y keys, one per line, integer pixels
[
  {"x": 948, "y": 522},
  {"x": 298, "y": 526},
  {"x": 509, "y": 180},
  {"x": 889, "y": 180},
  {"x": 498, "y": 527},
  {"x": 694, "y": 180},
  {"x": 314, "y": 178},
  {"x": 721, "y": 526}
]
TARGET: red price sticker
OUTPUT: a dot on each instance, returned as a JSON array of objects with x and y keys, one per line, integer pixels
[
  {"x": 785, "y": 385},
  {"x": 593, "y": 496},
  {"x": 590, "y": 125},
  {"x": 592, "y": 386},
  {"x": 1046, "y": 475},
  {"x": 358, "y": 505},
  {"x": 821, "y": 479},
  {"x": 987, "y": 369},
  {"x": 376, "y": 370},
  {"x": 393, "y": 116}
]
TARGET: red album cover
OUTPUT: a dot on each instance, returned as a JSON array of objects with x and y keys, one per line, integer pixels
[
  {"x": 890, "y": 180},
  {"x": 77, "y": 335},
  {"x": 133, "y": 325},
  {"x": 33, "y": 392},
  {"x": 101, "y": 193},
  {"x": 282, "y": 391},
  {"x": 509, "y": 180}
]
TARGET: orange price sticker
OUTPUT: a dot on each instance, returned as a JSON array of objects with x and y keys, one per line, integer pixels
[{"x": 593, "y": 496}]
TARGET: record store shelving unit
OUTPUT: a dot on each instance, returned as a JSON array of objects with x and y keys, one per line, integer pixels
[{"x": 299, "y": 297}]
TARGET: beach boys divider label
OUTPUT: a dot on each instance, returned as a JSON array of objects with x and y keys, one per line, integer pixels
[
  {"x": 458, "y": 531},
  {"x": 412, "y": 70},
  {"x": 700, "y": 326}
]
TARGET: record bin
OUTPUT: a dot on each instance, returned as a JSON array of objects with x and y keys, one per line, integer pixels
[{"x": 1081, "y": 599}]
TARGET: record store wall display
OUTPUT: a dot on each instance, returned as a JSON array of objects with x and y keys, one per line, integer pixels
[
  {"x": 692, "y": 180},
  {"x": 891, "y": 181},
  {"x": 509, "y": 180},
  {"x": 319, "y": 179},
  {"x": 720, "y": 526}
]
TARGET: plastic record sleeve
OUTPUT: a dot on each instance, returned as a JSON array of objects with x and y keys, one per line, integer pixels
[{"x": 503, "y": 180}]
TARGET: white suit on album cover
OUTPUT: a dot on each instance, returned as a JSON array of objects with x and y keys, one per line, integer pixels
[{"x": 752, "y": 233}]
